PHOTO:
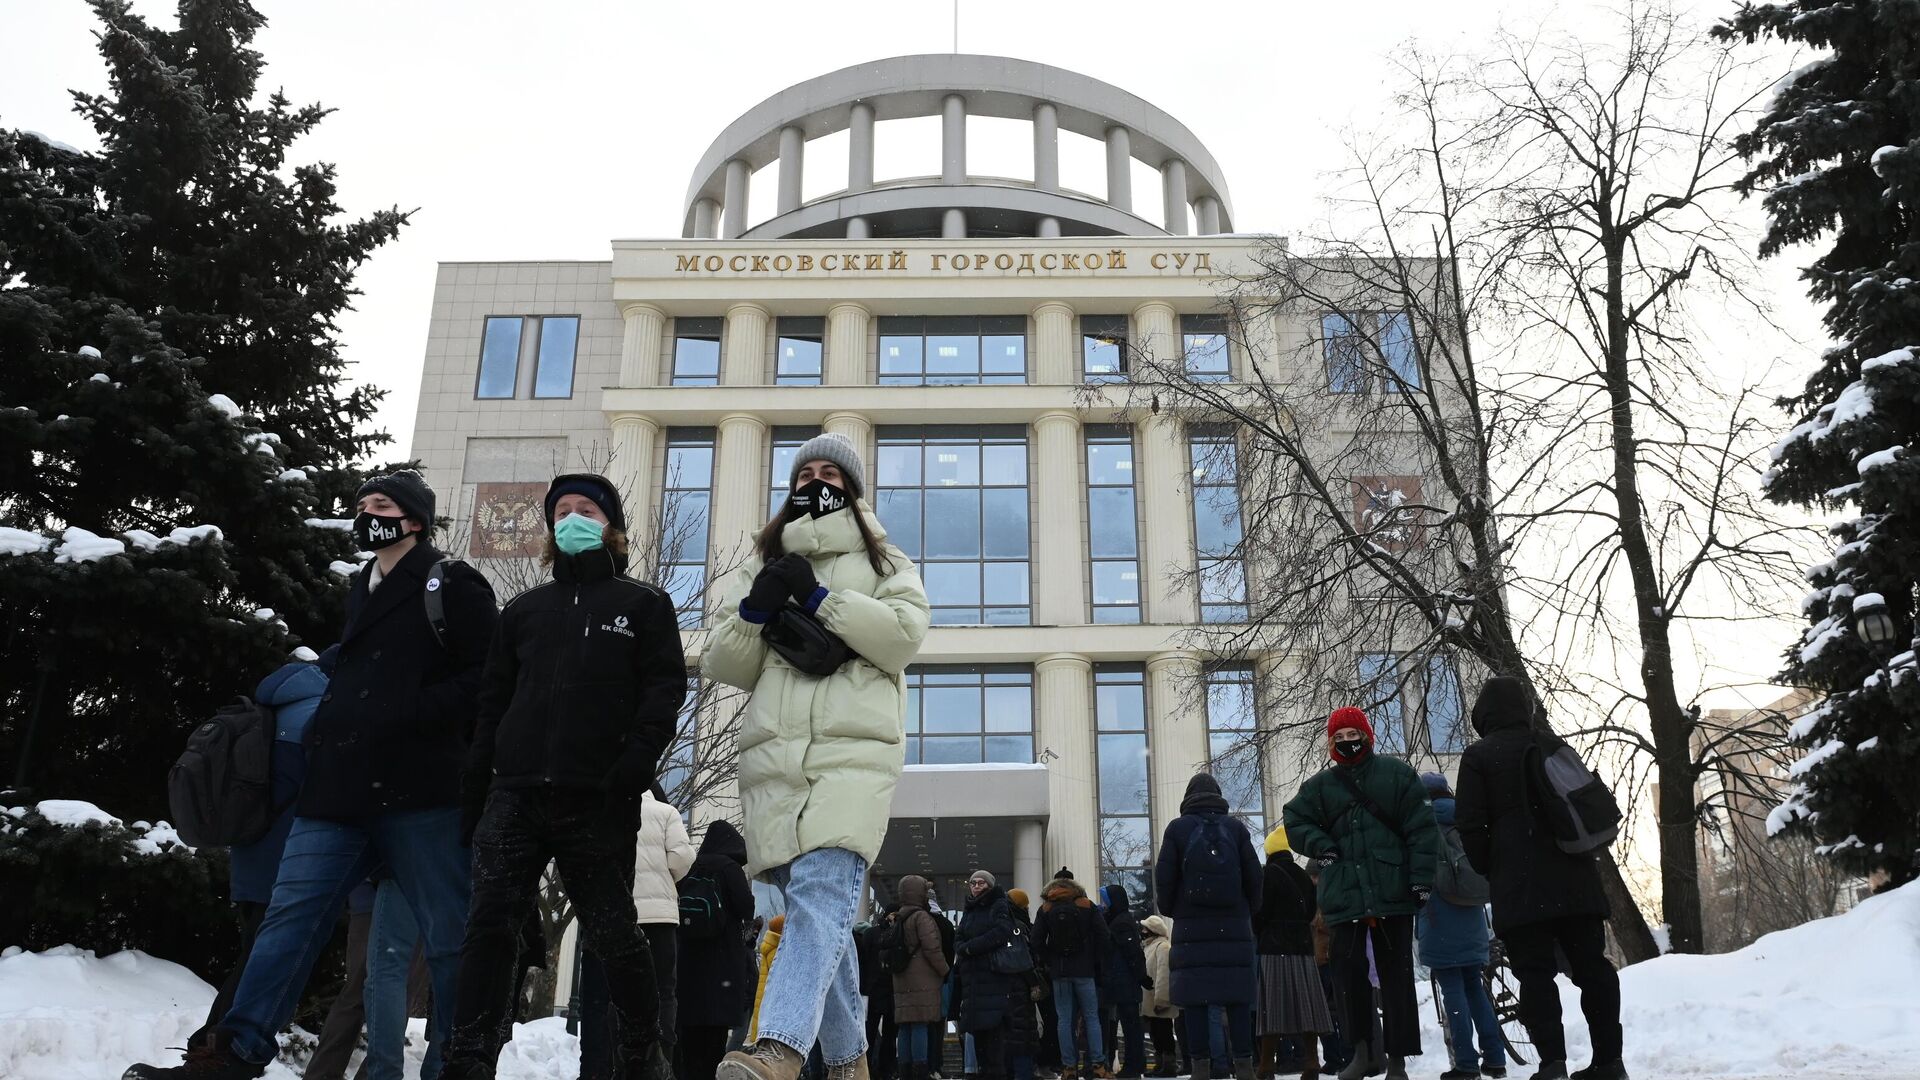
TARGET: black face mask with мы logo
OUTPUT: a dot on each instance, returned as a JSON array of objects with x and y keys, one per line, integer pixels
[
  {"x": 372, "y": 531},
  {"x": 819, "y": 498}
]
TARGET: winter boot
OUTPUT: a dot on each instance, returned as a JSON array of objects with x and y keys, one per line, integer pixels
[
  {"x": 1243, "y": 1068},
  {"x": 768, "y": 1060},
  {"x": 1310, "y": 1066},
  {"x": 1495, "y": 1072},
  {"x": 211, "y": 1058},
  {"x": 1396, "y": 1067},
  {"x": 1202, "y": 1069},
  {"x": 1101, "y": 1072},
  {"x": 1551, "y": 1070},
  {"x": 1366, "y": 1062},
  {"x": 1458, "y": 1073},
  {"x": 852, "y": 1070},
  {"x": 1602, "y": 1070}
]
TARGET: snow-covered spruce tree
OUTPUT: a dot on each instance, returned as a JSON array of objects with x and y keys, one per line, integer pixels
[
  {"x": 1838, "y": 155},
  {"x": 168, "y": 360}
]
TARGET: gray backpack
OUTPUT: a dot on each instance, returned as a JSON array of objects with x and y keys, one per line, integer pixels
[{"x": 1455, "y": 879}]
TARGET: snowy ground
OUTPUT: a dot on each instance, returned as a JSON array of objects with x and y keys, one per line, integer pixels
[{"x": 1835, "y": 998}]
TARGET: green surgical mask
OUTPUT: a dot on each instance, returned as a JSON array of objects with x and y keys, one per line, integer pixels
[{"x": 576, "y": 533}]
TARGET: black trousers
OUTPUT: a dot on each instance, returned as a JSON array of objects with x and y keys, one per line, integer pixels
[
  {"x": 1530, "y": 949},
  {"x": 597, "y": 1020},
  {"x": 701, "y": 1047},
  {"x": 1166, "y": 1052},
  {"x": 519, "y": 832},
  {"x": 990, "y": 1052},
  {"x": 340, "y": 1033},
  {"x": 882, "y": 1042},
  {"x": 1392, "y": 938}
]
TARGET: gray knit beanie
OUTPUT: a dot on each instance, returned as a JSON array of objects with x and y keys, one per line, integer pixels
[{"x": 837, "y": 448}]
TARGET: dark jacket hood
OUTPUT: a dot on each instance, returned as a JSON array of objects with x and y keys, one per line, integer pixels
[
  {"x": 291, "y": 683},
  {"x": 1504, "y": 702},
  {"x": 1203, "y": 796},
  {"x": 723, "y": 839},
  {"x": 1117, "y": 904}
]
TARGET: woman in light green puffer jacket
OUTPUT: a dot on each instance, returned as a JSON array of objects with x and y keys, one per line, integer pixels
[{"x": 819, "y": 756}]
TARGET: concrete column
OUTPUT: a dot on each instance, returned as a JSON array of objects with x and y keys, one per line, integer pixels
[
  {"x": 793, "y": 149},
  {"x": 706, "y": 218},
  {"x": 953, "y": 224},
  {"x": 846, "y": 347},
  {"x": 1165, "y": 487},
  {"x": 1120, "y": 168},
  {"x": 1056, "y": 360},
  {"x": 1154, "y": 323},
  {"x": 745, "y": 362},
  {"x": 640, "y": 344},
  {"x": 1176, "y": 731},
  {"x": 1049, "y": 228},
  {"x": 631, "y": 470},
  {"x": 858, "y": 229},
  {"x": 1029, "y": 848},
  {"x": 1207, "y": 209},
  {"x": 739, "y": 498},
  {"x": 859, "y": 430},
  {"x": 1046, "y": 147},
  {"x": 953, "y": 140},
  {"x": 734, "y": 219},
  {"x": 1173, "y": 189},
  {"x": 860, "y": 148},
  {"x": 1061, "y": 599},
  {"x": 1065, "y": 729}
]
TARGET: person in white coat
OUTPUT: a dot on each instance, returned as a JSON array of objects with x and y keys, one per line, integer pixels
[{"x": 661, "y": 857}]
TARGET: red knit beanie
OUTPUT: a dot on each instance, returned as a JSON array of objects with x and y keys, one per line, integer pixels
[{"x": 1349, "y": 717}]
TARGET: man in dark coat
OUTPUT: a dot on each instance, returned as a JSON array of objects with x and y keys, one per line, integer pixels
[
  {"x": 985, "y": 928},
  {"x": 717, "y": 973},
  {"x": 876, "y": 985},
  {"x": 1367, "y": 819},
  {"x": 1071, "y": 937},
  {"x": 1543, "y": 898},
  {"x": 1208, "y": 881},
  {"x": 383, "y": 757},
  {"x": 580, "y": 699},
  {"x": 1123, "y": 975}
]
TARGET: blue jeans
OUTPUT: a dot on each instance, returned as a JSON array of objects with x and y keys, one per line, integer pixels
[
  {"x": 813, "y": 989},
  {"x": 323, "y": 863},
  {"x": 1469, "y": 1009},
  {"x": 913, "y": 1043},
  {"x": 1078, "y": 995},
  {"x": 390, "y": 948},
  {"x": 1203, "y": 1024}
]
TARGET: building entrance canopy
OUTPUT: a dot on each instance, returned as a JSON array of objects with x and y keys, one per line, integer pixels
[{"x": 950, "y": 820}]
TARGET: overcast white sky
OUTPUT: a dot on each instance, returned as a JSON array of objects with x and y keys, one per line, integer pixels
[{"x": 530, "y": 131}]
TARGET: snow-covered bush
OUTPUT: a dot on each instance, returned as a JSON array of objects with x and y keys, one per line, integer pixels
[{"x": 72, "y": 874}]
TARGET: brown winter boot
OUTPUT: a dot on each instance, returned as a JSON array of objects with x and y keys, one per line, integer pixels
[
  {"x": 768, "y": 1060},
  {"x": 852, "y": 1070}
]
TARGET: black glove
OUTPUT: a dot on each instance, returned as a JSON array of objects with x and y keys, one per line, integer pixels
[
  {"x": 1329, "y": 857},
  {"x": 1146, "y": 982},
  {"x": 796, "y": 574},
  {"x": 768, "y": 594},
  {"x": 630, "y": 777},
  {"x": 1421, "y": 894}
]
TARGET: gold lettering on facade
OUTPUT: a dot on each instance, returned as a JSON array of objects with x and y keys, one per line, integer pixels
[
  {"x": 1116, "y": 259},
  {"x": 875, "y": 261},
  {"x": 806, "y": 263},
  {"x": 896, "y": 260},
  {"x": 759, "y": 264},
  {"x": 686, "y": 262},
  {"x": 782, "y": 263},
  {"x": 1159, "y": 260},
  {"x": 1093, "y": 260},
  {"x": 1069, "y": 261},
  {"x": 937, "y": 260},
  {"x": 737, "y": 264},
  {"x": 1024, "y": 262},
  {"x": 713, "y": 264}
]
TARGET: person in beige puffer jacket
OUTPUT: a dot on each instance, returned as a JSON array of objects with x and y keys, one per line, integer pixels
[
  {"x": 1156, "y": 938},
  {"x": 819, "y": 755}
]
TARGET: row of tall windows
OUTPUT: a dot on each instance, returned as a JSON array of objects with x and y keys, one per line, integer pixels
[
  {"x": 534, "y": 356},
  {"x": 955, "y": 500}
]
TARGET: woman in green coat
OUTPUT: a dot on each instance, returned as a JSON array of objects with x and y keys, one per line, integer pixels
[
  {"x": 819, "y": 755},
  {"x": 1368, "y": 822}
]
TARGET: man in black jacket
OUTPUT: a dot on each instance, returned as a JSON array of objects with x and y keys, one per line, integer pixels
[
  {"x": 383, "y": 779},
  {"x": 1543, "y": 898},
  {"x": 581, "y": 696},
  {"x": 1071, "y": 936}
]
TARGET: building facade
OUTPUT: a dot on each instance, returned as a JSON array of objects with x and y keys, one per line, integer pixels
[{"x": 972, "y": 335}]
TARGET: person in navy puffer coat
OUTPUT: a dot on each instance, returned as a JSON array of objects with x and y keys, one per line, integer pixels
[
  {"x": 293, "y": 693},
  {"x": 1208, "y": 880},
  {"x": 1453, "y": 943}
]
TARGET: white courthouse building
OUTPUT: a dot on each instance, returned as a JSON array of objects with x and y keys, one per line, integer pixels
[{"x": 949, "y": 325}]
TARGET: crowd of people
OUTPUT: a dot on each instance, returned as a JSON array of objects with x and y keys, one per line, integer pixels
[{"x": 432, "y": 764}]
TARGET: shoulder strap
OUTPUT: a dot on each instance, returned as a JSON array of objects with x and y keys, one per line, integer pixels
[
  {"x": 436, "y": 600},
  {"x": 1362, "y": 799}
]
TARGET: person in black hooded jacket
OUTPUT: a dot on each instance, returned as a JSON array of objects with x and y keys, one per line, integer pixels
[
  {"x": 1208, "y": 880},
  {"x": 1544, "y": 899},
  {"x": 1123, "y": 975},
  {"x": 717, "y": 970},
  {"x": 580, "y": 698}
]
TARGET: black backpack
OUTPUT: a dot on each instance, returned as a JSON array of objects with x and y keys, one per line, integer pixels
[
  {"x": 701, "y": 907},
  {"x": 1454, "y": 878},
  {"x": 896, "y": 954},
  {"x": 220, "y": 790},
  {"x": 1065, "y": 935},
  {"x": 1210, "y": 866}
]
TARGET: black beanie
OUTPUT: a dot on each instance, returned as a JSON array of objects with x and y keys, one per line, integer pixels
[
  {"x": 593, "y": 486},
  {"x": 408, "y": 490}
]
